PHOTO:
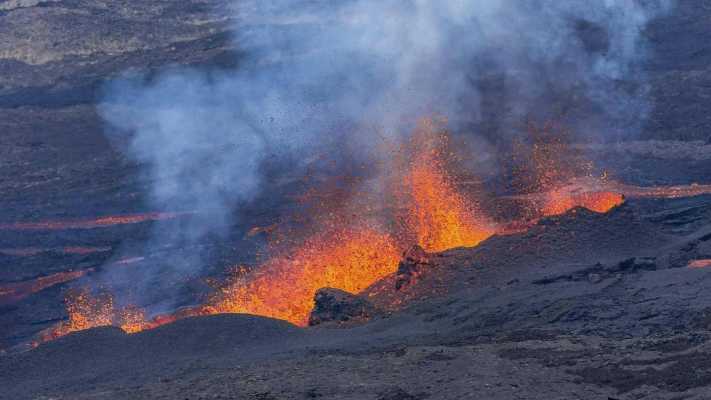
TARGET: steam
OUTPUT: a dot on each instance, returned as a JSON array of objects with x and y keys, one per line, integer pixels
[{"x": 314, "y": 73}]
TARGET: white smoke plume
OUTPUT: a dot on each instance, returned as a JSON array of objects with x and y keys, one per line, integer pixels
[{"x": 312, "y": 71}]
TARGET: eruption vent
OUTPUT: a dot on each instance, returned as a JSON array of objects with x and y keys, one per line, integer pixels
[
  {"x": 438, "y": 214},
  {"x": 343, "y": 258},
  {"x": 88, "y": 310},
  {"x": 559, "y": 201}
]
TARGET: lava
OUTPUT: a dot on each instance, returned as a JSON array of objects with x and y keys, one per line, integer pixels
[
  {"x": 703, "y": 263},
  {"x": 349, "y": 259},
  {"x": 560, "y": 201},
  {"x": 439, "y": 215},
  {"x": 13, "y": 292},
  {"x": 660, "y": 192},
  {"x": 88, "y": 310},
  {"x": 85, "y": 311},
  {"x": 33, "y": 251},
  {"x": 100, "y": 222},
  {"x": 345, "y": 239},
  {"x": 601, "y": 195}
]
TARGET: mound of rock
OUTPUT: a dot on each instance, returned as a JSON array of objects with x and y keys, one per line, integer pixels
[
  {"x": 335, "y": 305},
  {"x": 414, "y": 262}
]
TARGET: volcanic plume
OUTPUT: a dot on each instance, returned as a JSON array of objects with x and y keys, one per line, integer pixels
[
  {"x": 350, "y": 239},
  {"x": 348, "y": 245},
  {"x": 214, "y": 140}
]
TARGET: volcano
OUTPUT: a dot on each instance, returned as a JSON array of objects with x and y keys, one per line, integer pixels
[{"x": 291, "y": 199}]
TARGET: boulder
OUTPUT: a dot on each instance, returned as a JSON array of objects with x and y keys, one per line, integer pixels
[
  {"x": 335, "y": 305},
  {"x": 414, "y": 262}
]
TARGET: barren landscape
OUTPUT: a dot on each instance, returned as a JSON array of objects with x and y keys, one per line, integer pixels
[{"x": 550, "y": 241}]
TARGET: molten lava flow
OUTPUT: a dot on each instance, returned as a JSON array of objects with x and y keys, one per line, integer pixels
[
  {"x": 438, "y": 214},
  {"x": 14, "y": 292},
  {"x": 661, "y": 192},
  {"x": 132, "y": 319},
  {"x": 703, "y": 263},
  {"x": 90, "y": 223},
  {"x": 33, "y": 251},
  {"x": 87, "y": 310},
  {"x": 349, "y": 259},
  {"x": 340, "y": 250},
  {"x": 560, "y": 201}
]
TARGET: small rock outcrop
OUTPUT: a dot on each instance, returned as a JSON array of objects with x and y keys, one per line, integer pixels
[
  {"x": 414, "y": 261},
  {"x": 335, "y": 305}
]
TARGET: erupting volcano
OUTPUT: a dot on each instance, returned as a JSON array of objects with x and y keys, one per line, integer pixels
[
  {"x": 348, "y": 245},
  {"x": 344, "y": 251},
  {"x": 362, "y": 199}
]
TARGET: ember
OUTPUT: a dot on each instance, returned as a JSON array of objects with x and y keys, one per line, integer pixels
[
  {"x": 85, "y": 311},
  {"x": 88, "y": 310}
]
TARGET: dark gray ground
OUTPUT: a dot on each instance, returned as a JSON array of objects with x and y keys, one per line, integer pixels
[
  {"x": 556, "y": 313},
  {"x": 583, "y": 306}
]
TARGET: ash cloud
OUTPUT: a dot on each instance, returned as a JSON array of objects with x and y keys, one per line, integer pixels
[{"x": 315, "y": 73}]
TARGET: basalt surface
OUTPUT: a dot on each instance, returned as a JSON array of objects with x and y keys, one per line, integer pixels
[{"x": 583, "y": 305}]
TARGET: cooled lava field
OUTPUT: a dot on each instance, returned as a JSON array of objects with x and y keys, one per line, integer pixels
[{"x": 291, "y": 199}]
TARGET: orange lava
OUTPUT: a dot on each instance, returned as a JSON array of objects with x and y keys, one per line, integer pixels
[
  {"x": 438, "y": 214},
  {"x": 84, "y": 250},
  {"x": 284, "y": 287},
  {"x": 704, "y": 263},
  {"x": 344, "y": 249},
  {"x": 87, "y": 310},
  {"x": 661, "y": 192},
  {"x": 33, "y": 251},
  {"x": 14, "y": 292},
  {"x": 347, "y": 247},
  {"x": 90, "y": 223},
  {"x": 560, "y": 201}
]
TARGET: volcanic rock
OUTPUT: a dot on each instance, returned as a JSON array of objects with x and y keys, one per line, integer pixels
[
  {"x": 414, "y": 261},
  {"x": 335, "y": 305}
]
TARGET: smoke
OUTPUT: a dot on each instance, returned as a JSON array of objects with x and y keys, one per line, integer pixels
[{"x": 315, "y": 73}]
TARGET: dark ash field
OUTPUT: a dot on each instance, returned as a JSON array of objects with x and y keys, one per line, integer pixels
[{"x": 580, "y": 305}]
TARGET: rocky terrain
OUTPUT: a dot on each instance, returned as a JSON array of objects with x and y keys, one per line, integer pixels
[
  {"x": 606, "y": 308},
  {"x": 580, "y": 306}
]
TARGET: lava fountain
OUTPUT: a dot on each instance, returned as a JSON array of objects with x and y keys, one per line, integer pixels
[
  {"x": 347, "y": 248},
  {"x": 440, "y": 216},
  {"x": 560, "y": 200},
  {"x": 349, "y": 259}
]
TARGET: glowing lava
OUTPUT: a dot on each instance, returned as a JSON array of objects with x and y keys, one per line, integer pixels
[
  {"x": 90, "y": 223},
  {"x": 348, "y": 241},
  {"x": 284, "y": 287},
  {"x": 88, "y": 310},
  {"x": 438, "y": 214},
  {"x": 560, "y": 201},
  {"x": 85, "y": 312},
  {"x": 14, "y": 292},
  {"x": 703, "y": 263}
]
